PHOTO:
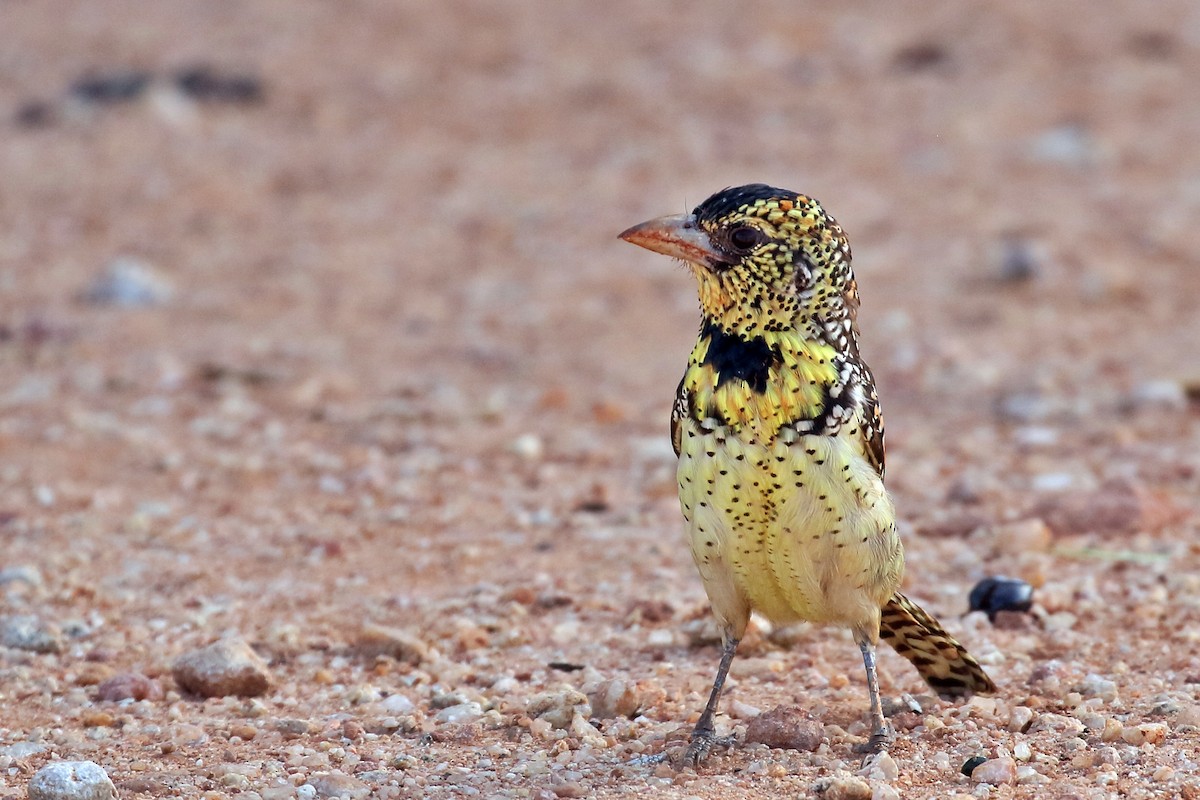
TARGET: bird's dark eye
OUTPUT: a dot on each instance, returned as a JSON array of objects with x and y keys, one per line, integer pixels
[{"x": 744, "y": 237}]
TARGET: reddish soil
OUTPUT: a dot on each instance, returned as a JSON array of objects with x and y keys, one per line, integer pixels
[{"x": 395, "y": 369}]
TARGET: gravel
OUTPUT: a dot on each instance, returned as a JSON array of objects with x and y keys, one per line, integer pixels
[
  {"x": 400, "y": 423},
  {"x": 785, "y": 727},
  {"x": 226, "y": 667},
  {"x": 28, "y": 632},
  {"x": 71, "y": 780}
]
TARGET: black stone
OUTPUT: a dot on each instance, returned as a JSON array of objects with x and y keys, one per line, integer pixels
[
  {"x": 206, "y": 84},
  {"x": 970, "y": 764},
  {"x": 998, "y": 593},
  {"x": 113, "y": 87}
]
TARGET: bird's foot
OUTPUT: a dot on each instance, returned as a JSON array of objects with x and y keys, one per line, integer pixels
[
  {"x": 701, "y": 744},
  {"x": 680, "y": 757},
  {"x": 878, "y": 743}
]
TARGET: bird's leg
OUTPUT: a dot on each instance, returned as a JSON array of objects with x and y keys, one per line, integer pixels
[
  {"x": 881, "y": 733},
  {"x": 704, "y": 734}
]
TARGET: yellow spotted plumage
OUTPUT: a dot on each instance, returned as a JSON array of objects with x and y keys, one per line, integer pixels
[{"x": 779, "y": 435}]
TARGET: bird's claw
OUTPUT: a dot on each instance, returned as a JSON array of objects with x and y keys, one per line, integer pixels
[
  {"x": 700, "y": 745},
  {"x": 878, "y": 743}
]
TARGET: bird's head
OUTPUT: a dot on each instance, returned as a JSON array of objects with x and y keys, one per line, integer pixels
[{"x": 766, "y": 260}]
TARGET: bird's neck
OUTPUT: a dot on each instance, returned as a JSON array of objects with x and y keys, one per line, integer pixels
[{"x": 761, "y": 381}]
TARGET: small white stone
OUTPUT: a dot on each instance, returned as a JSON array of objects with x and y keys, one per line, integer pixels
[
  {"x": 883, "y": 791},
  {"x": 528, "y": 446},
  {"x": 397, "y": 704},
  {"x": 1147, "y": 733},
  {"x": 71, "y": 780},
  {"x": 1052, "y": 481},
  {"x": 743, "y": 711},
  {"x": 460, "y": 713},
  {"x": 129, "y": 283},
  {"x": 559, "y": 707},
  {"x": 1097, "y": 686},
  {"x": 880, "y": 767},
  {"x": 1060, "y": 621},
  {"x": 995, "y": 771},
  {"x": 660, "y": 637},
  {"x": 1028, "y": 776},
  {"x": 1020, "y": 718},
  {"x": 1022, "y": 751}
]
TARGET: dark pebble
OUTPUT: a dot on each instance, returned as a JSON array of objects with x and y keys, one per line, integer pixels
[
  {"x": 34, "y": 114},
  {"x": 113, "y": 87},
  {"x": 205, "y": 84},
  {"x": 998, "y": 593},
  {"x": 971, "y": 763}
]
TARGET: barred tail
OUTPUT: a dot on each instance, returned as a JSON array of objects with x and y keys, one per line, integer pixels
[{"x": 943, "y": 662}]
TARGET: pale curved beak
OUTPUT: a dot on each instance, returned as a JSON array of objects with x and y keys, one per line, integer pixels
[{"x": 677, "y": 236}]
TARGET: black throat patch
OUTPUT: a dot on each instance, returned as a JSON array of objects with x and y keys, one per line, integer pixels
[{"x": 735, "y": 358}]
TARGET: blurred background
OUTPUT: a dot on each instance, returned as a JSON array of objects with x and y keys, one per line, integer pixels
[
  {"x": 450, "y": 176},
  {"x": 231, "y": 230}
]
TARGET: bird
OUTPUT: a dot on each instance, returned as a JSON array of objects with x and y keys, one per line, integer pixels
[{"x": 779, "y": 437}]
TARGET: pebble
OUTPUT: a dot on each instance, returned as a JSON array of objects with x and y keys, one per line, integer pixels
[
  {"x": 27, "y": 632},
  {"x": 1051, "y": 482},
  {"x": 1028, "y": 776},
  {"x": 22, "y": 750},
  {"x": 1096, "y": 686},
  {"x": 397, "y": 704},
  {"x": 842, "y": 788},
  {"x": 24, "y": 573},
  {"x": 118, "y": 86},
  {"x": 528, "y": 446},
  {"x": 128, "y": 283},
  {"x": 787, "y": 728},
  {"x": 1022, "y": 406},
  {"x": 225, "y": 667},
  {"x": 1159, "y": 394},
  {"x": 460, "y": 713},
  {"x": 1068, "y": 145},
  {"x": 71, "y": 780},
  {"x": 243, "y": 731},
  {"x": 1020, "y": 719},
  {"x": 1017, "y": 259},
  {"x": 337, "y": 784},
  {"x": 743, "y": 711},
  {"x": 614, "y": 698},
  {"x": 1057, "y": 723},
  {"x": 129, "y": 686},
  {"x": 995, "y": 771},
  {"x": 205, "y": 84},
  {"x": 998, "y": 593},
  {"x": 971, "y": 764},
  {"x": 569, "y": 789},
  {"x": 558, "y": 707},
  {"x": 292, "y": 728},
  {"x": 880, "y": 767},
  {"x": 883, "y": 791},
  {"x": 1022, "y": 751},
  {"x": 378, "y": 640},
  {"x": 1147, "y": 733}
]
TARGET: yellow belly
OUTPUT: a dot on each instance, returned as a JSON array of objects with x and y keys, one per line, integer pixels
[{"x": 795, "y": 531}]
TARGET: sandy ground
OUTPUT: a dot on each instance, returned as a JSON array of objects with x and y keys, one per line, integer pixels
[{"x": 389, "y": 366}]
